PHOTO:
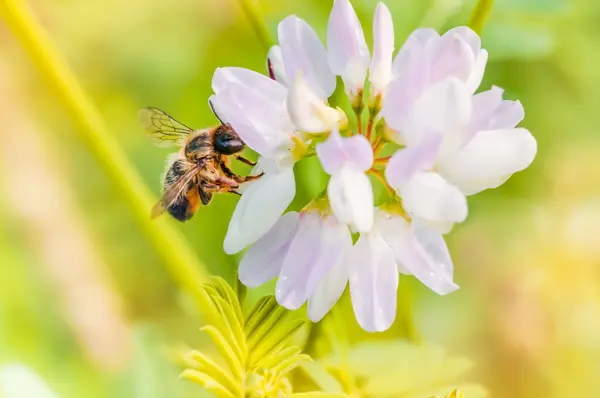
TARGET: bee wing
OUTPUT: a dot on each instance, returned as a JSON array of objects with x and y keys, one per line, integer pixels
[
  {"x": 163, "y": 129},
  {"x": 174, "y": 192}
]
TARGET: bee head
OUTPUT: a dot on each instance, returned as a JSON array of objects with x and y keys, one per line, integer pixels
[{"x": 227, "y": 141}]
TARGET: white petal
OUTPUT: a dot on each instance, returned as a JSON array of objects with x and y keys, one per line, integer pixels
[
  {"x": 351, "y": 198},
  {"x": 329, "y": 290},
  {"x": 383, "y": 48},
  {"x": 407, "y": 161},
  {"x": 491, "y": 112},
  {"x": 275, "y": 65},
  {"x": 355, "y": 151},
  {"x": 452, "y": 56},
  {"x": 291, "y": 290},
  {"x": 309, "y": 112},
  {"x": 347, "y": 49},
  {"x": 263, "y": 261},
  {"x": 476, "y": 76},
  {"x": 468, "y": 35},
  {"x": 416, "y": 42},
  {"x": 335, "y": 241},
  {"x": 489, "y": 159},
  {"x": 419, "y": 250},
  {"x": 18, "y": 381},
  {"x": 373, "y": 283},
  {"x": 259, "y": 209},
  {"x": 261, "y": 84},
  {"x": 303, "y": 52},
  {"x": 262, "y": 126},
  {"x": 444, "y": 107},
  {"x": 432, "y": 198}
]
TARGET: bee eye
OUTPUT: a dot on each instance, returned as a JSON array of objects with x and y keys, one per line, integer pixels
[{"x": 228, "y": 143}]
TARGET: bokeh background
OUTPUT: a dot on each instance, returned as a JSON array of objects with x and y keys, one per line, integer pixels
[{"x": 86, "y": 299}]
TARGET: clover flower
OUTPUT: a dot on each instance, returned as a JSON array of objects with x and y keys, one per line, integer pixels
[{"x": 449, "y": 143}]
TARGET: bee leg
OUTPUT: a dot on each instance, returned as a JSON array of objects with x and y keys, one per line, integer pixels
[
  {"x": 242, "y": 179},
  {"x": 236, "y": 192},
  {"x": 244, "y": 160}
]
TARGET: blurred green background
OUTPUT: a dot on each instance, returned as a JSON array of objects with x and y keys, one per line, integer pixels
[{"x": 85, "y": 298}]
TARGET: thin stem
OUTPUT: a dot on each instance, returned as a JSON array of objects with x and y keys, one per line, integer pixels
[
  {"x": 480, "y": 14},
  {"x": 359, "y": 124},
  {"x": 179, "y": 257},
  {"x": 257, "y": 23}
]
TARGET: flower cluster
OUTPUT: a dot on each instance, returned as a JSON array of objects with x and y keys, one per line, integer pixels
[{"x": 449, "y": 143}]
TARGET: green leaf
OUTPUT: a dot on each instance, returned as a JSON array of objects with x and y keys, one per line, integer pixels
[
  {"x": 234, "y": 329},
  {"x": 207, "y": 382},
  {"x": 262, "y": 310},
  {"x": 227, "y": 293},
  {"x": 228, "y": 354},
  {"x": 274, "y": 360},
  {"x": 268, "y": 319},
  {"x": 210, "y": 368},
  {"x": 274, "y": 341},
  {"x": 289, "y": 364}
]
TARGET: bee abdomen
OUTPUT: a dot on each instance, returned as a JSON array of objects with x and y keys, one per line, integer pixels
[{"x": 179, "y": 209}]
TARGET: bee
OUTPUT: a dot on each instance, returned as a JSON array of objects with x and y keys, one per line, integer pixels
[{"x": 200, "y": 168}]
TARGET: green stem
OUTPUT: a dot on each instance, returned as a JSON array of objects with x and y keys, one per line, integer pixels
[
  {"x": 257, "y": 23},
  {"x": 179, "y": 257},
  {"x": 480, "y": 14}
]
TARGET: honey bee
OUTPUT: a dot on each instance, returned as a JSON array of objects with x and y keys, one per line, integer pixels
[{"x": 199, "y": 169}]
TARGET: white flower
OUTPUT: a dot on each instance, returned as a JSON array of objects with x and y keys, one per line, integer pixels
[
  {"x": 18, "y": 381},
  {"x": 426, "y": 59},
  {"x": 449, "y": 156},
  {"x": 349, "y": 189}
]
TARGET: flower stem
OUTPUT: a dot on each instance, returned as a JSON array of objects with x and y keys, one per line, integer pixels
[
  {"x": 378, "y": 174},
  {"x": 257, "y": 23},
  {"x": 480, "y": 14},
  {"x": 179, "y": 257}
]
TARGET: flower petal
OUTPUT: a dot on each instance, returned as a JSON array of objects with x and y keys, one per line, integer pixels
[
  {"x": 329, "y": 289},
  {"x": 407, "y": 161},
  {"x": 452, "y": 56},
  {"x": 491, "y": 112},
  {"x": 383, "y": 48},
  {"x": 432, "y": 198},
  {"x": 416, "y": 43},
  {"x": 411, "y": 70},
  {"x": 291, "y": 290},
  {"x": 262, "y": 85},
  {"x": 303, "y": 52},
  {"x": 489, "y": 159},
  {"x": 262, "y": 126},
  {"x": 476, "y": 76},
  {"x": 347, "y": 48},
  {"x": 419, "y": 250},
  {"x": 373, "y": 283},
  {"x": 468, "y": 35},
  {"x": 309, "y": 112},
  {"x": 263, "y": 261},
  {"x": 351, "y": 198},
  {"x": 275, "y": 65},
  {"x": 353, "y": 151},
  {"x": 335, "y": 241},
  {"x": 259, "y": 209},
  {"x": 444, "y": 107}
]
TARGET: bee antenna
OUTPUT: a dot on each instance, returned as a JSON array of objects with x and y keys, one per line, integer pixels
[{"x": 212, "y": 108}]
